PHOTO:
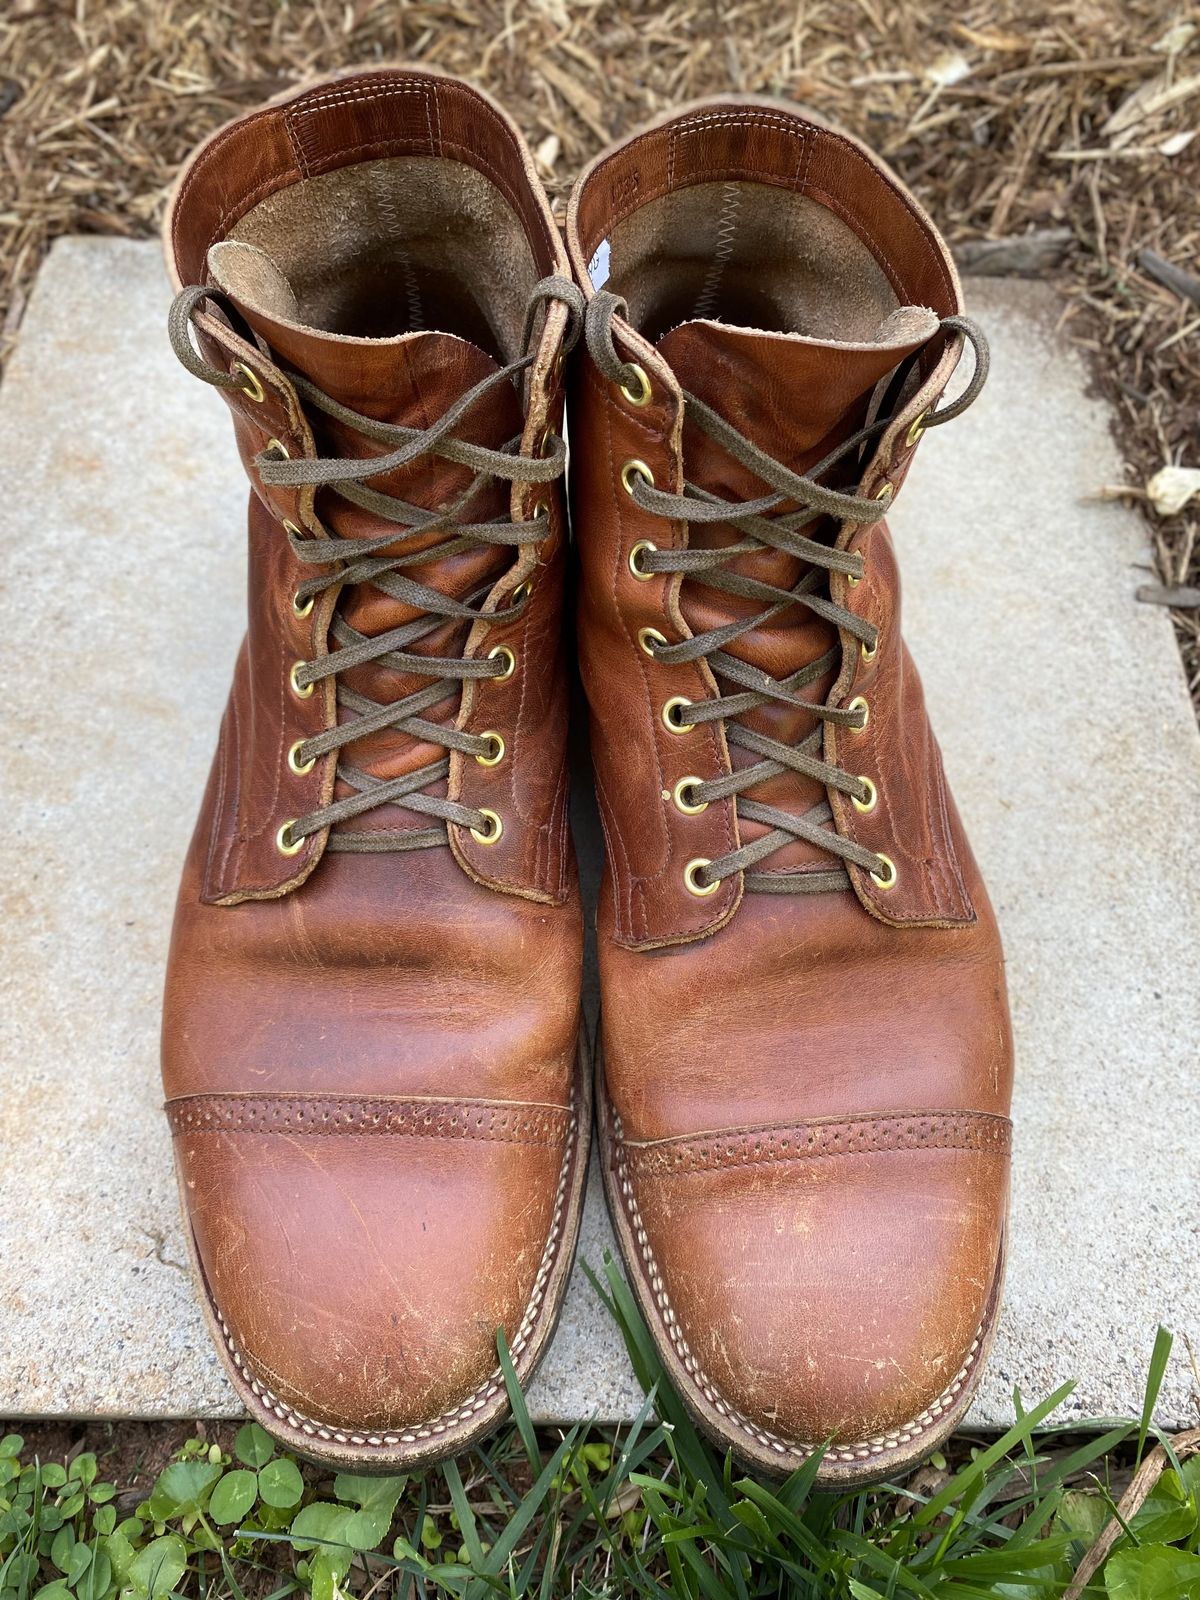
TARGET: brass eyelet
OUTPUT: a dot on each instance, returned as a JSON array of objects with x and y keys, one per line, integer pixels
[
  {"x": 885, "y": 491},
  {"x": 887, "y": 880},
  {"x": 280, "y": 449},
  {"x": 302, "y": 691},
  {"x": 641, "y": 395},
  {"x": 496, "y": 755},
  {"x": 868, "y": 655},
  {"x": 541, "y": 508},
  {"x": 549, "y": 439},
  {"x": 853, "y": 579},
  {"x": 252, "y": 388},
  {"x": 292, "y": 530},
  {"x": 859, "y": 704},
  {"x": 503, "y": 653},
  {"x": 639, "y": 574},
  {"x": 868, "y": 805},
  {"x": 301, "y": 608},
  {"x": 521, "y": 592},
  {"x": 300, "y": 767},
  {"x": 691, "y": 878},
  {"x": 284, "y": 843},
  {"x": 634, "y": 468},
  {"x": 688, "y": 807},
  {"x": 673, "y": 704},
  {"x": 915, "y": 429},
  {"x": 647, "y": 639},
  {"x": 495, "y": 829}
]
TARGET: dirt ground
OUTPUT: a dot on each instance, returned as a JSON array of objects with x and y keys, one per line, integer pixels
[{"x": 1067, "y": 132}]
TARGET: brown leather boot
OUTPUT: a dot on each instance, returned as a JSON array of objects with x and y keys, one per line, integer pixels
[
  {"x": 371, "y": 1026},
  {"x": 804, "y": 1026}
]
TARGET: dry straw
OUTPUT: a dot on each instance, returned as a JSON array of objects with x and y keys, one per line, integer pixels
[{"x": 1064, "y": 132}]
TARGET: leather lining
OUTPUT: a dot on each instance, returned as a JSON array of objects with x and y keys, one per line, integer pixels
[
  {"x": 386, "y": 247},
  {"x": 748, "y": 254}
]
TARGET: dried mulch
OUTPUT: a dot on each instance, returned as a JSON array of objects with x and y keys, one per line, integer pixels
[{"x": 1056, "y": 141}]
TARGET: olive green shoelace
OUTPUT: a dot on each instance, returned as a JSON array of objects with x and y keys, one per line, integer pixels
[
  {"x": 348, "y": 561},
  {"x": 750, "y": 686}
]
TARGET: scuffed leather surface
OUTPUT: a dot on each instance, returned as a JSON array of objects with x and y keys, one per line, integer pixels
[
  {"x": 804, "y": 1007},
  {"x": 636, "y": 760},
  {"x": 372, "y": 1280},
  {"x": 775, "y": 1274},
  {"x": 255, "y": 791},
  {"x": 809, "y": 1093},
  {"x": 389, "y": 974},
  {"x": 914, "y": 822},
  {"x": 369, "y": 1060},
  {"x": 365, "y": 1275},
  {"x": 410, "y": 379}
]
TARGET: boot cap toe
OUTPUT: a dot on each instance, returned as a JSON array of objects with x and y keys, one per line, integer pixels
[
  {"x": 826, "y": 1282},
  {"x": 359, "y": 1255}
]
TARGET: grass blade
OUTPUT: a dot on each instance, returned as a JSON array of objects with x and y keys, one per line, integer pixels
[
  {"x": 462, "y": 1508},
  {"x": 971, "y": 1475},
  {"x": 1160, "y": 1355},
  {"x": 530, "y": 1505},
  {"x": 516, "y": 1399}
]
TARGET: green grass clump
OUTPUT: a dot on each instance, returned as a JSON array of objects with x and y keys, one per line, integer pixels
[{"x": 650, "y": 1509}]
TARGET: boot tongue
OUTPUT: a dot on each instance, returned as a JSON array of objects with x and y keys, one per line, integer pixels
[
  {"x": 410, "y": 379},
  {"x": 796, "y": 398}
]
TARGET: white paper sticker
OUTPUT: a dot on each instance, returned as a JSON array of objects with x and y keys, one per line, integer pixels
[{"x": 598, "y": 265}]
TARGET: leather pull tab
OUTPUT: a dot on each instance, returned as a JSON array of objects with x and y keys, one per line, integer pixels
[{"x": 377, "y": 116}]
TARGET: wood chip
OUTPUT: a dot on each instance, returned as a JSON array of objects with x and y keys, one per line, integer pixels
[
  {"x": 1172, "y": 277},
  {"x": 585, "y": 104},
  {"x": 1161, "y": 594},
  {"x": 1030, "y": 255}
]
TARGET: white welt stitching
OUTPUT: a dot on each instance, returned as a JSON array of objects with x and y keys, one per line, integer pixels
[
  {"x": 475, "y": 1403},
  {"x": 864, "y": 1450}
]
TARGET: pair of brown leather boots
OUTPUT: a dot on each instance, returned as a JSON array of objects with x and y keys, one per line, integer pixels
[{"x": 372, "y": 1050}]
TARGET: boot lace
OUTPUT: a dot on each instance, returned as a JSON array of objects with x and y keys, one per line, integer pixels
[
  {"x": 746, "y": 687},
  {"x": 353, "y": 561}
]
